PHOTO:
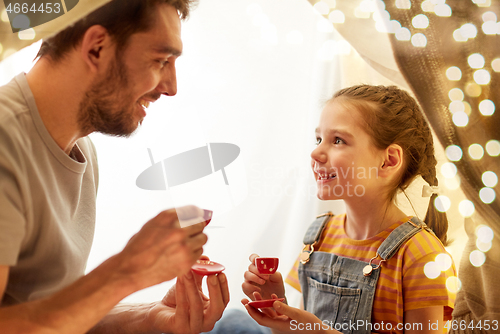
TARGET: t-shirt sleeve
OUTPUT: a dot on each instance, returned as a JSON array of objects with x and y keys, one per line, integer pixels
[
  {"x": 12, "y": 218},
  {"x": 293, "y": 276},
  {"x": 430, "y": 278}
]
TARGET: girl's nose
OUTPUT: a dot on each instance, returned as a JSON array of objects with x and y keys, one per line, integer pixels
[{"x": 318, "y": 154}]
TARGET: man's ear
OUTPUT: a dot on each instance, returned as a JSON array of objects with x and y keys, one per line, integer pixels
[
  {"x": 96, "y": 43},
  {"x": 392, "y": 162}
]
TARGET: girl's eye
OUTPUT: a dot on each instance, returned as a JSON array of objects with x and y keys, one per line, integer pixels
[
  {"x": 318, "y": 141},
  {"x": 338, "y": 141}
]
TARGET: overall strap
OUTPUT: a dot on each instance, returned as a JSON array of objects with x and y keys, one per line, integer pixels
[
  {"x": 313, "y": 234},
  {"x": 391, "y": 244},
  {"x": 399, "y": 236}
]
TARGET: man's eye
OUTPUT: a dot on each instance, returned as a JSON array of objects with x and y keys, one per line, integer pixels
[
  {"x": 338, "y": 141},
  {"x": 318, "y": 141},
  {"x": 162, "y": 62}
]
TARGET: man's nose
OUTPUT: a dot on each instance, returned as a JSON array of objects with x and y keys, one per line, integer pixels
[{"x": 168, "y": 83}]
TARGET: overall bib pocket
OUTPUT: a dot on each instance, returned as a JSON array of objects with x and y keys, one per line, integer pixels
[{"x": 334, "y": 304}]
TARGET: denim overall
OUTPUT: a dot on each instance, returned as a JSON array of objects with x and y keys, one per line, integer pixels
[{"x": 340, "y": 290}]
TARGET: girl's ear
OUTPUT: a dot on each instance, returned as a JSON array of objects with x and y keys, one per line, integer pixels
[{"x": 393, "y": 161}]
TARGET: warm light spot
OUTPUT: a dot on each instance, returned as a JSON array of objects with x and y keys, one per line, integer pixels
[
  {"x": 403, "y": 34},
  {"x": 490, "y": 28},
  {"x": 368, "y": 6},
  {"x": 489, "y": 16},
  {"x": 322, "y": 8},
  {"x": 476, "y": 60},
  {"x": 419, "y": 40},
  {"x": 1, "y": 48},
  {"x": 361, "y": 14},
  {"x": 457, "y": 35},
  {"x": 403, "y": 4},
  {"x": 452, "y": 73},
  {"x": 495, "y": 64},
  {"x": 477, "y": 258},
  {"x": 324, "y": 25},
  {"x": 467, "y": 108},
  {"x": 449, "y": 170},
  {"x": 432, "y": 270},
  {"x": 438, "y": 2},
  {"x": 444, "y": 261},
  {"x": 482, "y": 77},
  {"x": 295, "y": 37},
  {"x": 487, "y": 195},
  {"x": 456, "y": 94},
  {"x": 460, "y": 119},
  {"x": 484, "y": 233},
  {"x": 482, "y": 3},
  {"x": 337, "y": 16},
  {"x": 468, "y": 30},
  {"x": 487, "y": 107},
  {"x": 420, "y": 21},
  {"x": 443, "y": 10},
  {"x": 476, "y": 151},
  {"x": 456, "y": 106},
  {"x": 428, "y": 6},
  {"x": 453, "y": 284},
  {"x": 5, "y": 16},
  {"x": 28, "y": 34},
  {"x": 442, "y": 203},
  {"x": 453, "y": 153},
  {"x": 452, "y": 184},
  {"x": 395, "y": 26},
  {"x": 466, "y": 208},
  {"x": 331, "y": 3},
  {"x": 473, "y": 89},
  {"x": 493, "y": 148},
  {"x": 483, "y": 246},
  {"x": 490, "y": 179}
]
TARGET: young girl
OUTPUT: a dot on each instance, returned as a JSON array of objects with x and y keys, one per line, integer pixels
[{"x": 372, "y": 269}]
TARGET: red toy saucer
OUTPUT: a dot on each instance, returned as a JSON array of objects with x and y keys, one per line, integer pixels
[{"x": 204, "y": 267}]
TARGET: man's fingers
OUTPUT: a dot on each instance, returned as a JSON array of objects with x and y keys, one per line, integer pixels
[
  {"x": 214, "y": 311},
  {"x": 182, "y": 307},
  {"x": 195, "y": 303},
  {"x": 224, "y": 288}
]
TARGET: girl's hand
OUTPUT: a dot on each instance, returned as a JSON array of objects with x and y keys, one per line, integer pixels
[
  {"x": 288, "y": 319},
  {"x": 265, "y": 285}
]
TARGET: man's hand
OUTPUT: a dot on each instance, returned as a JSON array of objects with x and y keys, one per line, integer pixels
[
  {"x": 161, "y": 250},
  {"x": 185, "y": 309}
]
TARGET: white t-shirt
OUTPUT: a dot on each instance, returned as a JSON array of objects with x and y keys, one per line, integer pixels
[{"x": 47, "y": 200}]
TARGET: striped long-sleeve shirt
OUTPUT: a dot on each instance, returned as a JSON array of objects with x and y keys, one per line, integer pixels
[{"x": 403, "y": 285}]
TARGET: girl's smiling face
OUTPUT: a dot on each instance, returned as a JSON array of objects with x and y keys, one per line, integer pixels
[{"x": 345, "y": 162}]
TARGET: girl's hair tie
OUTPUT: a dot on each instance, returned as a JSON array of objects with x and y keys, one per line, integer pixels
[{"x": 427, "y": 190}]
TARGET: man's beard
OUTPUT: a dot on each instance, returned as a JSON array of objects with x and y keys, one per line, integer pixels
[{"x": 106, "y": 107}]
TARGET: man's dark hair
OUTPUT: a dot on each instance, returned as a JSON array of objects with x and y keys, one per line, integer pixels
[{"x": 121, "y": 18}]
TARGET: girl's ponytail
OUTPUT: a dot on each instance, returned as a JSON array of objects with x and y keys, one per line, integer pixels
[{"x": 437, "y": 221}]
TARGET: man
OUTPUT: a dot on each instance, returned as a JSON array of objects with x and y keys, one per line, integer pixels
[{"x": 98, "y": 75}]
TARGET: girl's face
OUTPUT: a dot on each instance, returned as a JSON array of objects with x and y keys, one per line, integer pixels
[{"x": 345, "y": 162}]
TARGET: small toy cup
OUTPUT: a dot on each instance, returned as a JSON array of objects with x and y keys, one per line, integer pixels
[{"x": 267, "y": 265}]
